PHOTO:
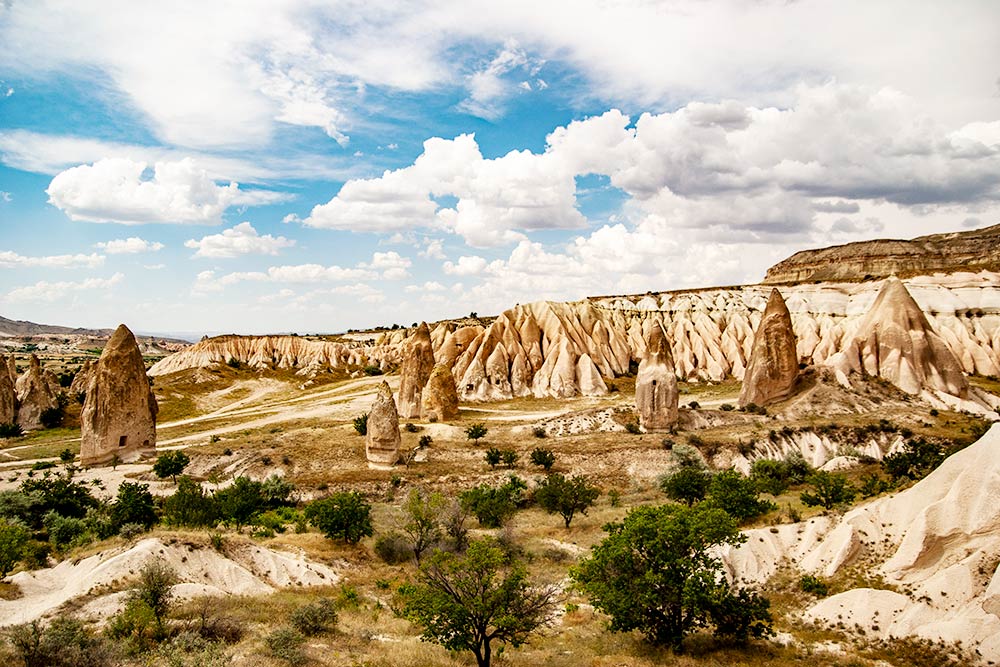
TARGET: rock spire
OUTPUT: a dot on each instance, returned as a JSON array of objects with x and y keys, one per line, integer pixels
[
  {"x": 418, "y": 362},
  {"x": 774, "y": 363},
  {"x": 382, "y": 439},
  {"x": 656, "y": 383},
  {"x": 440, "y": 397},
  {"x": 35, "y": 396}
]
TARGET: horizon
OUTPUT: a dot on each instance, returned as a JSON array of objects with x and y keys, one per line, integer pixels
[{"x": 296, "y": 168}]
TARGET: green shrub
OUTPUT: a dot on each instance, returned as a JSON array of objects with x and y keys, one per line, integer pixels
[
  {"x": 813, "y": 585},
  {"x": 341, "y": 516},
  {"x": 492, "y": 506},
  {"x": 543, "y": 457},
  {"x": 539, "y": 432},
  {"x": 476, "y": 431},
  {"x": 493, "y": 456},
  {"x": 737, "y": 495},
  {"x": 566, "y": 496},
  {"x": 171, "y": 464},
  {"x": 14, "y": 535},
  {"x": 829, "y": 490},
  {"x": 425, "y": 441},
  {"x": 372, "y": 370},
  {"x": 687, "y": 485},
  {"x": 727, "y": 407},
  {"x": 632, "y": 426},
  {"x": 286, "y": 644},
  {"x": 393, "y": 548},
  {"x": 361, "y": 424},
  {"x": 315, "y": 618},
  {"x": 11, "y": 430},
  {"x": 509, "y": 458}
]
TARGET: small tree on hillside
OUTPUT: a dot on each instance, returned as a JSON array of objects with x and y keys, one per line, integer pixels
[
  {"x": 13, "y": 536},
  {"x": 171, "y": 464},
  {"x": 559, "y": 495},
  {"x": 543, "y": 457},
  {"x": 475, "y": 601},
  {"x": 686, "y": 485},
  {"x": 341, "y": 516},
  {"x": 134, "y": 504},
  {"x": 737, "y": 496},
  {"x": 829, "y": 490},
  {"x": 424, "y": 512},
  {"x": 476, "y": 431}
]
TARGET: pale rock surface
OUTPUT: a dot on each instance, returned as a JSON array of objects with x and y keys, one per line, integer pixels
[
  {"x": 440, "y": 398},
  {"x": 34, "y": 396},
  {"x": 418, "y": 362},
  {"x": 774, "y": 364},
  {"x": 656, "y": 384},
  {"x": 8, "y": 399},
  {"x": 382, "y": 440},
  {"x": 82, "y": 378},
  {"x": 895, "y": 341},
  {"x": 119, "y": 413},
  {"x": 12, "y": 368}
]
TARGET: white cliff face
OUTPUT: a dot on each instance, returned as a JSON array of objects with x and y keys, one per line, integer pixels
[{"x": 562, "y": 349}]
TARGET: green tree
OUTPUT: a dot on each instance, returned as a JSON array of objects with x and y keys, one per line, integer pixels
[
  {"x": 341, "y": 516},
  {"x": 423, "y": 512},
  {"x": 134, "y": 504},
  {"x": 829, "y": 490},
  {"x": 475, "y": 601},
  {"x": 361, "y": 424},
  {"x": 543, "y": 457},
  {"x": 566, "y": 496},
  {"x": 686, "y": 485},
  {"x": 770, "y": 476},
  {"x": 656, "y": 573},
  {"x": 476, "y": 431},
  {"x": 737, "y": 495},
  {"x": 493, "y": 505},
  {"x": 13, "y": 536},
  {"x": 493, "y": 457},
  {"x": 190, "y": 505},
  {"x": 241, "y": 501},
  {"x": 171, "y": 464}
]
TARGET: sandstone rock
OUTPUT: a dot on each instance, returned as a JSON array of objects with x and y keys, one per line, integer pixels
[
  {"x": 895, "y": 341},
  {"x": 12, "y": 368},
  {"x": 8, "y": 399},
  {"x": 119, "y": 413},
  {"x": 656, "y": 384},
  {"x": 82, "y": 379},
  {"x": 418, "y": 362},
  {"x": 774, "y": 364},
  {"x": 382, "y": 440},
  {"x": 34, "y": 396},
  {"x": 440, "y": 397}
]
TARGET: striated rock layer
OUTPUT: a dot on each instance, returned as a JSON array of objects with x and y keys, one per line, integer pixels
[
  {"x": 382, "y": 439},
  {"x": 774, "y": 362},
  {"x": 656, "y": 384},
  {"x": 569, "y": 349},
  {"x": 418, "y": 362},
  {"x": 119, "y": 413}
]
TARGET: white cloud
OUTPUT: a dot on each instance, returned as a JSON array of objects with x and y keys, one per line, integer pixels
[
  {"x": 466, "y": 266},
  {"x": 393, "y": 265},
  {"x": 130, "y": 246},
  {"x": 6, "y": 196},
  {"x": 207, "y": 281},
  {"x": 116, "y": 190},
  {"x": 488, "y": 88},
  {"x": 434, "y": 249},
  {"x": 154, "y": 267},
  {"x": 12, "y": 260},
  {"x": 46, "y": 291},
  {"x": 429, "y": 286},
  {"x": 242, "y": 239}
]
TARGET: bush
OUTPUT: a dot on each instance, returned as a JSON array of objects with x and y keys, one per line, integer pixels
[
  {"x": 539, "y": 432},
  {"x": 917, "y": 459},
  {"x": 65, "y": 642},
  {"x": 543, "y": 457},
  {"x": 493, "y": 456},
  {"x": 393, "y": 548},
  {"x": 52, "y": 417},
  {"x": 727, "y": 407},
  {"x": 425, "y": 441},
  {"x": 241, "y": 501},
  {"x": 813, "y": 585},
  {"x": 829, "y": 490},
  {"x": 315, "y": 618},
  {"x": 64, "y": 530},
  {"x": 492, "y": 506},
  {"x": 424, "y": 527},
  {"x": 770, "y": 476},
  {"x": 476, "y": 431},
  {"x": 872, "y": 485},
  {"x": 737, "y": 496},
  {"x": 11, "y": 430},
  {"x": 687, "y": 485},
  {"x": 286, "y": 644},
  {"x": 372, "y": 371},
  {"x": 361, "y": 424},
  {"x": 559, "y": 495},
  {"x": 134, "y": 504},
  {"x": 190, "y": 506},
  {"x": 632, "y": 426},
  {"x": 509, "y": 458},
  {"x": 14, "y": 535},
  {"x": 171, "y": 464},
  {"x": 411, "y": 428},
  {"x": 341, "y": 516}
]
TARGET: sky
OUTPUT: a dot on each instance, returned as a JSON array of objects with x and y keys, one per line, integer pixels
[{"x": 268, "y": 166}]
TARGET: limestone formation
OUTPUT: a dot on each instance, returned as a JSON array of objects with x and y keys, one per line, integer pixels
[
  {"x": 34, "y": 396},
  {"x": 82, "y": 379},
  {"x": 774, "y": 363},
  {"x": 8, "y": 398},
  {"x": 656, "y": 384},
  {"x": 12, "y": 368},
  {"x": 440, "y": 398},
  {"x": 418, "y": 362},
  {"x": 895, "y": 341},
  {"x": 119, "y": 413},
  {"x": 382, "y": 440}
]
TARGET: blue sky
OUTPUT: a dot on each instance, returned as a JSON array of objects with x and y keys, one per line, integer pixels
[{"x": 318, "y": 166}]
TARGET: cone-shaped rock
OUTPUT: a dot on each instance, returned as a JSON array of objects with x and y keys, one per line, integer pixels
[
  {"x": 656, "y": 384},
  {"x": 119, "y": 413},
  {"x": 440, "y": 397},
  {"x": 8, "y": 398},
  {"x": 774, "y": 364},
  {"x": 895, "y": 341},
  {"x": 35, "y": 396},
  {"x": 382, "y": 439},
  {"x": 418, "y": 362},
  {"x": 12, "y": 368},
  {"x": 82, "y": 378}
]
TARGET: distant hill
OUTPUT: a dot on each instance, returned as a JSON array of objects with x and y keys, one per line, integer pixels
[
  {"x": 16, "y": 328},
  {"x": 956, "y": 251}
]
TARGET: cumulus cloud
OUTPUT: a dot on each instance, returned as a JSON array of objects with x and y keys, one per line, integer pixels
[
  {"x": 12, "y": 260},
  {"x": 242, "y": 239},
  {"x": 46, "y": 291},
  {"x": 466, "y": 266},
  {"x": 208, "y": 281},
  {"x": 119, "y": 190},
  {"x": 488, "y": 87},
  {"x": 130, "y": 246}
]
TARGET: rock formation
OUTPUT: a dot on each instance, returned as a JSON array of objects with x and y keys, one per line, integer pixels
[
  {"x": 82, "y": 379},
  {"x": 12, "y": 368},
  {"x": 418, "y": 362},
  {"x": 382, "y": 440},
  {"x": 119, "y": 413},
  {"x": 34, "y": 396},
  {"x": 439, "y": 401},
  {"x": 656, "y": 384},
  {"x": 8, "y": 399},
  {"x": 774, "y": 364},
  {"x": 895, "y": 341}
]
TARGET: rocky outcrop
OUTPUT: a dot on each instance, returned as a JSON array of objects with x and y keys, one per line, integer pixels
[
  {"x": 895, "y": 341},
  {"x": 8, "y": 399},
  {"x": 12, "y": 368},
  {"x": 382, "y": 439},
  {"x": 956, "y": 251},
  {"x": 34, "y": 396},
  {"x": 656, "y": 384},
  {"x": 119, "y": 414},
  {"x": 934, "y": 544},
  {"x": 418, "y": 362},
  {"x": 774, "y": 363},
  {"x": 439, "y": 401},
  {"x": 82, "y": 378}
]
